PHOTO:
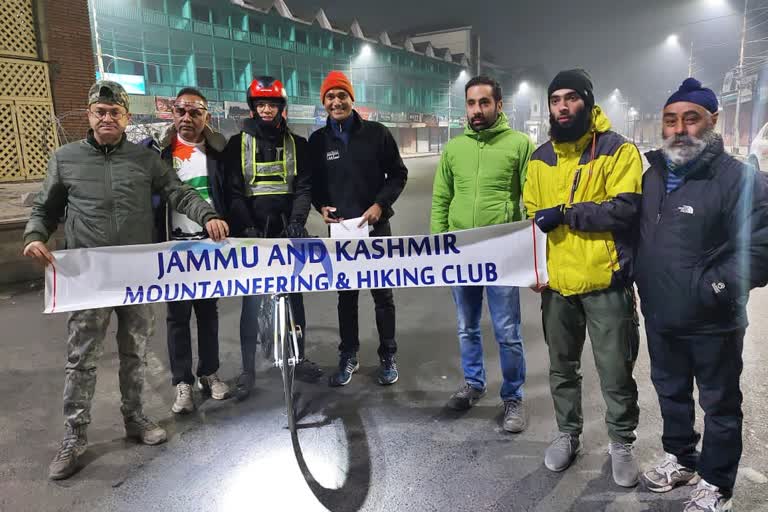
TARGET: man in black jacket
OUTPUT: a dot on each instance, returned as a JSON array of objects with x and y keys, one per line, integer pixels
[
  {"x": 193, "y": 149},
  {"x": 271, "y": 198},
  {"x": 357, "y": 172},
  {"x": 703, "y": 245}
]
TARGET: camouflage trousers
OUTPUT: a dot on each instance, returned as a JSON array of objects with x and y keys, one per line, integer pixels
[{"x": 86, "y": 332}]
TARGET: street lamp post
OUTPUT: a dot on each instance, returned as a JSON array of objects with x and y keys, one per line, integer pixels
[{"x": 739, "y": 78}]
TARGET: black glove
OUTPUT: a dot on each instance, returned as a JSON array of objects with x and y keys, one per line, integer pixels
[
  {"x": 252, "y": 233},
  {"x": 549, "y": 218},
  {"x": 295, "y": 230}
]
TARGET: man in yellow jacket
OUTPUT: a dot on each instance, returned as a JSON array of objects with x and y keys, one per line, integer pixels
[{"x": 583, "y": 189}]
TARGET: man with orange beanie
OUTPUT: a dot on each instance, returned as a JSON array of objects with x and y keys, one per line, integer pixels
[{"x": 357, "y": 172}]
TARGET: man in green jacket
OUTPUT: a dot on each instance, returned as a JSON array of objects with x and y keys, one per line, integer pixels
[
  {"x": 103, "y": 188},
  {"x": 479, "y": 182}
]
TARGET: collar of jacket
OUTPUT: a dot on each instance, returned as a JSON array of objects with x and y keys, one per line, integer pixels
[
  {"x": 703, "y": 166},
  {"x": 356, "y": 120},
  {"x": 600, "y": 124},
  {"x": 103, "y": 148},
  {"x": 213, "y": 139},
  {"x": 272, "y": 134},
  {"x": 501, "y": 125}
]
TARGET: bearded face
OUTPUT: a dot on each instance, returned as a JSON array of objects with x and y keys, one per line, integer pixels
[
  {"x": 687, "y": 129},
  {"x": 682, "y": 149}
]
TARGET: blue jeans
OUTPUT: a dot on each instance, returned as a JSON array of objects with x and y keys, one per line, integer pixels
[{"x": 504, "y": 305}]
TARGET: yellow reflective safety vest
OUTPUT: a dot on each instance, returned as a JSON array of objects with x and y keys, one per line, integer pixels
[{"x": 268, "y": 178}]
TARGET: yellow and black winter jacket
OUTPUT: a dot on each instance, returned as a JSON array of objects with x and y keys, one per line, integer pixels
[{"x": 598, "y": 179}]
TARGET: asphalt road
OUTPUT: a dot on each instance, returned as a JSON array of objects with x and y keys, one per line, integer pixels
[{"x": 361, "y": 448}]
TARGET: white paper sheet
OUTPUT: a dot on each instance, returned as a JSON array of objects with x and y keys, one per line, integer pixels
[{"x": 348, "y": 229}]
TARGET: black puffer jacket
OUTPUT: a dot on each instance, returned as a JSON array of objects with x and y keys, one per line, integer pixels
[{"x": 703, "y": 246}]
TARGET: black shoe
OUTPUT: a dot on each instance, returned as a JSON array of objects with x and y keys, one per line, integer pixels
[
  {"x": 465, "y": 397},
  {"x": 244, "y": 385},
  {"x": 308, "y": 371},
  {"x": 347, "y": 366},
  {"x": 388, "y": 373}
]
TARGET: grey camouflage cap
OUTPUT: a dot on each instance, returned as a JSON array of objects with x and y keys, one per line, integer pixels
[{"x": 106, "y": 91}]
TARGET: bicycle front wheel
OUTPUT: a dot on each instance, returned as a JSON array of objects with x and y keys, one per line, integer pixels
[{"x": 289, "y": 356}]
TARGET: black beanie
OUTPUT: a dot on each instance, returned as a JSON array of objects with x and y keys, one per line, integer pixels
[{"x": 576, "y": 79}]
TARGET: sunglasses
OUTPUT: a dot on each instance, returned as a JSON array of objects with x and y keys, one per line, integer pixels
[{"x": 194, "y": 113}]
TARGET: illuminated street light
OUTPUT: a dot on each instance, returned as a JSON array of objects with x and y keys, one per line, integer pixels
[
  {"x": 366, "y": 51},
  {"x": 673, "y": 40},
  {"x": 523, "y": 88}
]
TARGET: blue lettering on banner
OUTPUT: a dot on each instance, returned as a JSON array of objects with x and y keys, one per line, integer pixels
[
  {"x": 381, "y": 248},
  {"x": 184, "y": 257}
]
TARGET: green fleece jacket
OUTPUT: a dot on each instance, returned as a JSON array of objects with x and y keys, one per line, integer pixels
[{"x": 480, "y": 178}]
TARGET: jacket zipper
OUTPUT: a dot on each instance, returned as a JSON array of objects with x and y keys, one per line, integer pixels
[
  {"x": 110, "y": 199},
  {"x": 477, "y": 181}
]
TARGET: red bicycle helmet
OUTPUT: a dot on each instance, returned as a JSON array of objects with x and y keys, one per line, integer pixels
[{"x": 266, "y": 88}]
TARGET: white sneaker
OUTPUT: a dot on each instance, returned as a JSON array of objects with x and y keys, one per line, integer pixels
[
  {"x": 707, "y": 498},
  {"x": 184, "y": 403},
  {"x": 214, "y": 386}
]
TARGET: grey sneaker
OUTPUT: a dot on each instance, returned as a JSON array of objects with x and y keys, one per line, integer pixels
[
  {"x": 65, "y": 463},
  {"x": 707, "y": 498},
  {"x": 623, "y": 463},
  {"x": 183, "y": 403},
  {"x": 465, "y": 397},
  {"x": 514, "y": 416},
  {"x": 562, "y": 452},
  {"x": 214, "y": 386},
  {"x": 144, "y": 430},
  {"x": 668, "y": 474}
]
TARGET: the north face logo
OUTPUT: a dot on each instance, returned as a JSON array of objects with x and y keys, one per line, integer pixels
[
  {"x": 332, "y": 155},
  {"x": 685, "y": 209}
]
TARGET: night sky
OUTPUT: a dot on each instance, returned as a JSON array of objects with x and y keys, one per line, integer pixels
[{"x": 622, "y": 43}]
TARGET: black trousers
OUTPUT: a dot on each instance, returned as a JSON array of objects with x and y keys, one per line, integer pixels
[
  {"x": 714, "y": 361},
  {"x": 385, "y": 313},
  {"x": 249, "y": 326},
  {"x": 180, "y": 339}
]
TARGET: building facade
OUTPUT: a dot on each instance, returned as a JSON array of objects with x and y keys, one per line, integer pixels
[
  {"x": 36, "y": 76},
  {"x": 219, "y": 46}
]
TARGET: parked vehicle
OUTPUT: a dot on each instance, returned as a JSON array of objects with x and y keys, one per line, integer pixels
[{"x": 758, "y": 150}]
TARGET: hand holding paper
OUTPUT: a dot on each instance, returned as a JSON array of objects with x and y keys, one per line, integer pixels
[{"x": 350, "y": 228}]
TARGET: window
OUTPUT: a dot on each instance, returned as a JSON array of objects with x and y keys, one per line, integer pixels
[
  {"x": 155, "y": 5},
  {"x": 301, "y": 36},
  {"x": 200, "y": 12},
  {"x": 205, "y": 77},
  {"x": 155, "y": 72}
]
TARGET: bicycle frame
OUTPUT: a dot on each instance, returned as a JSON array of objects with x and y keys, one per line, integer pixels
[{"x": 284, "y": 331}]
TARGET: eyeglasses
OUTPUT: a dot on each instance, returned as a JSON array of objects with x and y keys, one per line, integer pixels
[
  {"x": 261, "y": 105},
  {"x": 100, "y": 114},
  {"x": 194, "y": 113}
]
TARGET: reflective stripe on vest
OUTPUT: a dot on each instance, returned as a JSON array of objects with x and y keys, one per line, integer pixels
[{"x": 255, "y": 172}]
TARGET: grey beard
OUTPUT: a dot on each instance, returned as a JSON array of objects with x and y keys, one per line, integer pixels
[{"x": 691, "y": 149}]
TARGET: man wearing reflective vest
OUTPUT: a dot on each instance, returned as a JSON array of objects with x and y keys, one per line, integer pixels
[{"x": 271, "y": 198}]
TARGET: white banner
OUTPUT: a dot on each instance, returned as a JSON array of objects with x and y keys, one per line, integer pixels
[{"x": 504, "y": 255}]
